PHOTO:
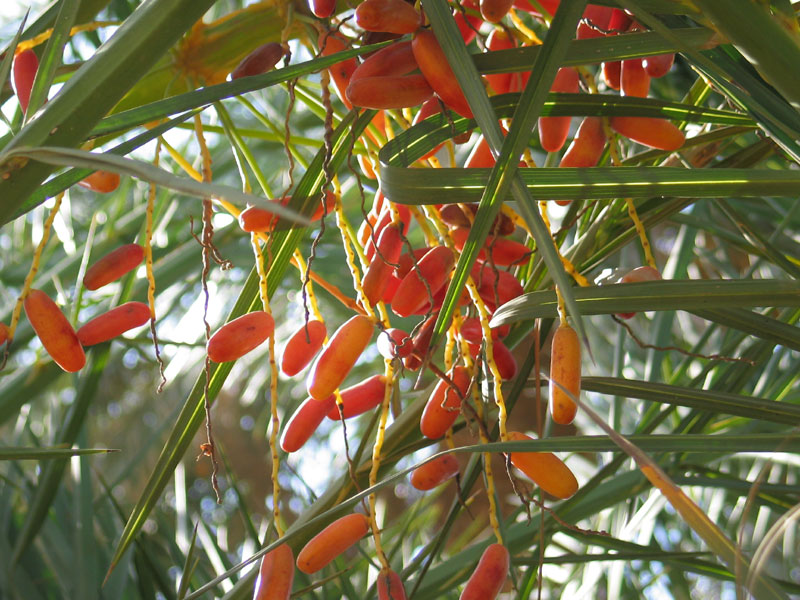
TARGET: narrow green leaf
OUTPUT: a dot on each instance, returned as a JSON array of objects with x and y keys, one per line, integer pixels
[
  {"x": 61, "y": 182},
  {"x": 760, "y": 584},
  {"x": 20, "y": 453},
  {"x": 596, "y": 50},
  {"x": 708, "y": 400},
  {"x": 762, "y": 326},
  {"x": 150, "y": 173},
  {"x": 414, "y": 186},
  {"x": 773, "y": 51},
  {"x": 503, "y": 177},
  {"x": 50, "y": 478},
  {"x": 656, "y": 295},
  {"x": 95, "y": 88},
  {"x": 210, "y": 94}
]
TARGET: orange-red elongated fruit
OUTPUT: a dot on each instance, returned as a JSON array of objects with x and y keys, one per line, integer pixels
[
  {"x": 544, "y": 468},
  {"x": 407, "y": 261},
  {"x": 472, "y": 331},
  {"x": 113, "y": 265},
  {"x": 397, "y": 59},
  {"x": 612, "y": 72},
  {"x": 256, "y": 219},
  {"x": 502, "y": 251},
  {"x": 434, "y": 269},
  {"x": 587, "y": 145},
  {"x": 619, "y": 21},
  {"x": 496, "y": 288},
  {"x": 392, "y": 343},
  {"x": 56, "y": 334},
  {"x": 599, "y": 16},
  {"x": 373, "y": 234},
  {"x": 481, "y": 155},
  {"x": 342, "y": 71},
  {"x": 658, "y": 65},
  {"x": 649, "y": 131},
  {"x": 645, "y": 273},
  {"x": 565, "y": 369},
  {"x": 494, "y": 10},
  {"x": 455, "y": 215},
  {"x": 338, "y": 357},
  {"x": 391, "y": 16},
  {"x": 302, "y": 347},
  {"x": 421, "y": 341},
  {"x": 376, "y": 277},
  {"x": 238, "y": 337},
  {"x": 102, "y": 182},
  {"x": 499, "y": 39},
  {"x": 331, "y": 542},
  {"x": 634, "y": 80},
  {"x": 505, "y": 361},
  {"x": 3, "y": 333},
  {"x": 489, "y": 576},
  {"x": 444, "y": 405},
  {"x": 392, "y": 91},
  {"x": 429, "y": 108},
  {"x": 25, "y": 66},
  {"x": 434, "y": 473},
  {"x": 304, "y": 422},
  {"x": 259, "y": 61},
  {"x": 437, "y": 71},
  {"x": 390, "y": 586},
  {"x": 322, "y": 8},
  {"x": 553, "y": 131},
  {"x": 114, "y": 323},
  {"x": 468, "y": 24},
  {"x": 276, "y": 575},
  {"x": 359, "y": 398}
]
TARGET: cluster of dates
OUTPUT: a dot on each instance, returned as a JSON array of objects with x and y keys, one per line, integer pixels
[
  {"x": 402, "y": 75},
  {"x": 61, "y": 341}
]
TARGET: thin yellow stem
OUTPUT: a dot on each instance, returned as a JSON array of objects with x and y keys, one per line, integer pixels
[
  {"x": 376, "y": 461},
  {"x": 273, "y": 387},
  {"x": 487, "y": 470},
  {"x": 526, "y": 32},
  {"x": 37, "y": 256},
  {"x": 312, "y": 297},
  {"x": 642, "y": 233},
  {"x": 349, "y": 252},
  {"x": 568, "y": 266}
]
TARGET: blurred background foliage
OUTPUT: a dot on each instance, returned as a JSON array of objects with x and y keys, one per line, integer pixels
[{"x": 64, "y": 522}]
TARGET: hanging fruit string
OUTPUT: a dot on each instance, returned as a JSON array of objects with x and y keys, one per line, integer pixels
[
  {"x": 148, "y": 261},
  {"x": 487, "y": 456},
  {"x": 206, "y": 241},
  {"x": 308, "y": 290},
  {"x": 642, "y": 233},
  {"x": 376, "y": 461},
  {"x": 632, "y": 213},
  {"x": 234, "y": 211},
  {"x": 433, "y": 215},
  {"x": 273, "y": 387},
  {"x": 45, "y": 35},
  {"x": 341, "y": 222},
  {"x": 37, "y": 257}
]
